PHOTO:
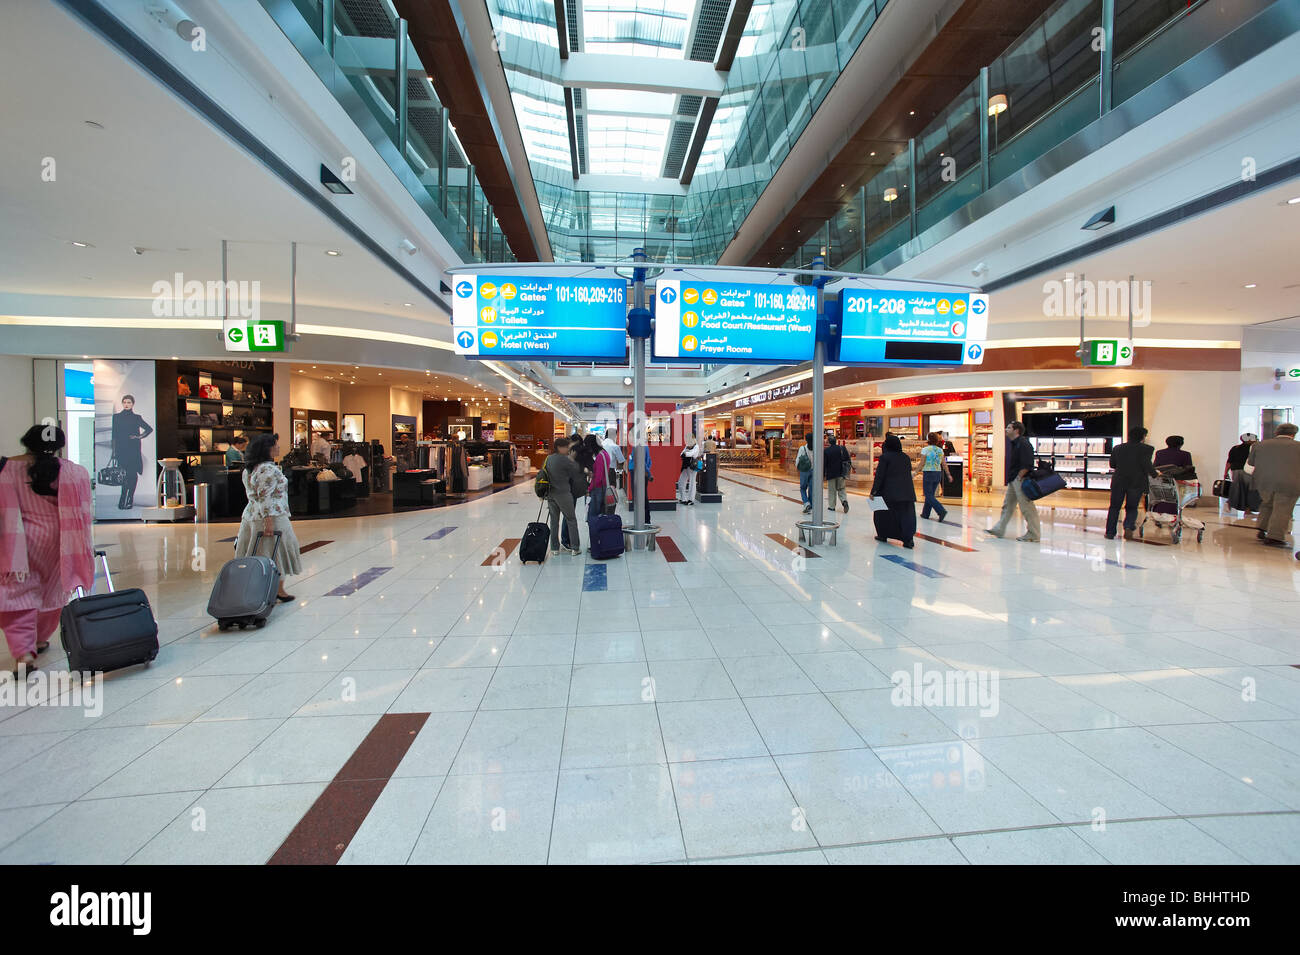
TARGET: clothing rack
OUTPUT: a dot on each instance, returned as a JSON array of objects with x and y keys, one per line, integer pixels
[{"x": 451, "y": 462}]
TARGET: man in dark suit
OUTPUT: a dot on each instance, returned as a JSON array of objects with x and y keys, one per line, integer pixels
[{"x": 1131, "y": 462}]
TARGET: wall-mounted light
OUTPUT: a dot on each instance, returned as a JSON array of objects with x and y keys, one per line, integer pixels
[
  {"x": 333, "y": 183},
  {"x": 1101, "y": 219},
  {"x": 891, "y": 194},
  {"x": 997, "y": 104}
]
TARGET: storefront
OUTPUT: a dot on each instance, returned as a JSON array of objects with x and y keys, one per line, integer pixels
[{"x": 1073, "y": 431}]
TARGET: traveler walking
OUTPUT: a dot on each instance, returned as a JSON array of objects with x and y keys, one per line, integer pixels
[
  {"x": 932, "y": 476},
  {"x": 893, "y": 482},
  {"x": 686, "y": 480},
  {"x": 46, "y": 547},
  {"x": 1131, "y": 463},
  {"x": 836, "y": 464},
  {"x": 1020, "y": 461},
  {"x": 1276, "y": 475},
  {"x": 267, "y": 509},
  {"x": 803, "y": 463},
  {"x": 566, "y": 486}
]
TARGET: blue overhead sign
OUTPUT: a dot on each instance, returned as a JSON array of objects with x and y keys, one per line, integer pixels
[
  {"x": 734, "y": 322},
  {"x": 912, "y": 327},
  {"x": 556, "y": 319}
]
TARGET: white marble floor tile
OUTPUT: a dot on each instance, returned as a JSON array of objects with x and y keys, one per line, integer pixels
[
  {"x": 736, "y": 807},
  {"x": 616, "y": 815}
]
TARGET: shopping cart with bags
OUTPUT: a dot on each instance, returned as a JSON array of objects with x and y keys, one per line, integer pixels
[{"x": 1167, "y": 499}]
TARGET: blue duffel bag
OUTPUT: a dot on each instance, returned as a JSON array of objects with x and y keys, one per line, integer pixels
[{"x": 1034, "y": 488}]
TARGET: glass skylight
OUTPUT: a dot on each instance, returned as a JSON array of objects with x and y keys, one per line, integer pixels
[
  {"x": 625, "y": 146},
  {"x": 655, "y": 28}
]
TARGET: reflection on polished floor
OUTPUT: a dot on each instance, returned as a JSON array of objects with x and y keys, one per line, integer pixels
[{"x": 1128, "y": 702}]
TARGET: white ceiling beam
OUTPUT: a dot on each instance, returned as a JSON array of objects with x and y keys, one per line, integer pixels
[
  {"x": 657, "y": 186},
  {"x": 607, "y": 71}
]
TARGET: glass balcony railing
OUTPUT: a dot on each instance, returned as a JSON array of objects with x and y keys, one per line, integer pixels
[
  {"x": 1045, "y": 88},
  {"x": 404, "y": 120}
]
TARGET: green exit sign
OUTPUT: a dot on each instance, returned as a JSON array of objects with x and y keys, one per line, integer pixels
[
  {"x": 240, "y": 334},
  {"x": 1110, "y": 353},
  {"x": 1293, "y": 373}
]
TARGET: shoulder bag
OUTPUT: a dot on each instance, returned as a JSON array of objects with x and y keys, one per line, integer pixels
[{"x": 113, "y": 475}]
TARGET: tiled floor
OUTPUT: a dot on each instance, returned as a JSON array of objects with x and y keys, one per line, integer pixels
[{"x": 733, "y": 707}]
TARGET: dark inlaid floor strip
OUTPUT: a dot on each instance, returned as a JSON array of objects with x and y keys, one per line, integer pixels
[
  {"x": 668, "y": 547},
  {"x": 595, "y": 577},
  {"x": 323, "y": 834},
  {"x": 312, "y": 546},
  {"x": 504, "y": 550},
  {"x": 912, "y": 565},
  {"x": 791, "y": 545},
  {"x": 227, "y": 540},
  {"x": 359, "y": 581},
  {"x": 442, "y": 532},
  {"x": 939, "y": 540}
]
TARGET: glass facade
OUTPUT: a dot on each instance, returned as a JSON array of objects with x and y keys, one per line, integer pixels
[
  {"x": 355, "y": 58},
  {"x": 1042, "y": 90}
]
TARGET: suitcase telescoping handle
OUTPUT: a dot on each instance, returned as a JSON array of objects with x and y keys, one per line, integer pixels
[
  {"x": 108, "y": 578},
  {"x": 258, "y": 540}
]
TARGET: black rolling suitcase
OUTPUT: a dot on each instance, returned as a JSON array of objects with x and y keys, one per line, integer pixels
[
  {"x": 536, "y": 541},
  {"x": 245, "y": 589},
  {"x": 102, "y": 632}
]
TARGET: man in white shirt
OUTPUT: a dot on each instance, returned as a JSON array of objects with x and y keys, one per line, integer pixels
[
  {"x": 616, "y": 455},
  {"x": 320, "y": 446}
]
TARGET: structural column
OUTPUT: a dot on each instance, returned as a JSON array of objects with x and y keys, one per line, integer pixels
[
  {"x": 639, "y": 331},
  {"x": 819, "y": 402}
]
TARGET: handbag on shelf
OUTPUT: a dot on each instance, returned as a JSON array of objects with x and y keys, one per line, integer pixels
[{"x": 111, "y": 476}]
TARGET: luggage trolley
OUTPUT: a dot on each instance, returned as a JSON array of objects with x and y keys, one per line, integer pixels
[{"x": 1166, "y": 500}]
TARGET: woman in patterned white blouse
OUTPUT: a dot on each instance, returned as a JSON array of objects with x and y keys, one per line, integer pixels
[{"x": 268, "y": 508}]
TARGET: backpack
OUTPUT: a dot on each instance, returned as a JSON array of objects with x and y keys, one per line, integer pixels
[
  {"x": 803, "y": 461},
  {"x": 542, "y": 483}
]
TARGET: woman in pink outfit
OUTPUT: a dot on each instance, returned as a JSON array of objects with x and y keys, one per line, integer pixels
[{"x": 46, "y": 545}]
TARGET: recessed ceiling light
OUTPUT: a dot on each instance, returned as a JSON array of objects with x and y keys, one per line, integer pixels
[
  {"x": 82, "y": 245},
  {"x": 1251, "y": 285},
  {"x": 333, "y": 252},
  {"x": 407, "y": 304},
  {"x": 1293, "y": 202}
]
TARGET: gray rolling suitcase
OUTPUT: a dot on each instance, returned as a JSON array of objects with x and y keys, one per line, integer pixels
[{"x": 244, "y": 594}]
